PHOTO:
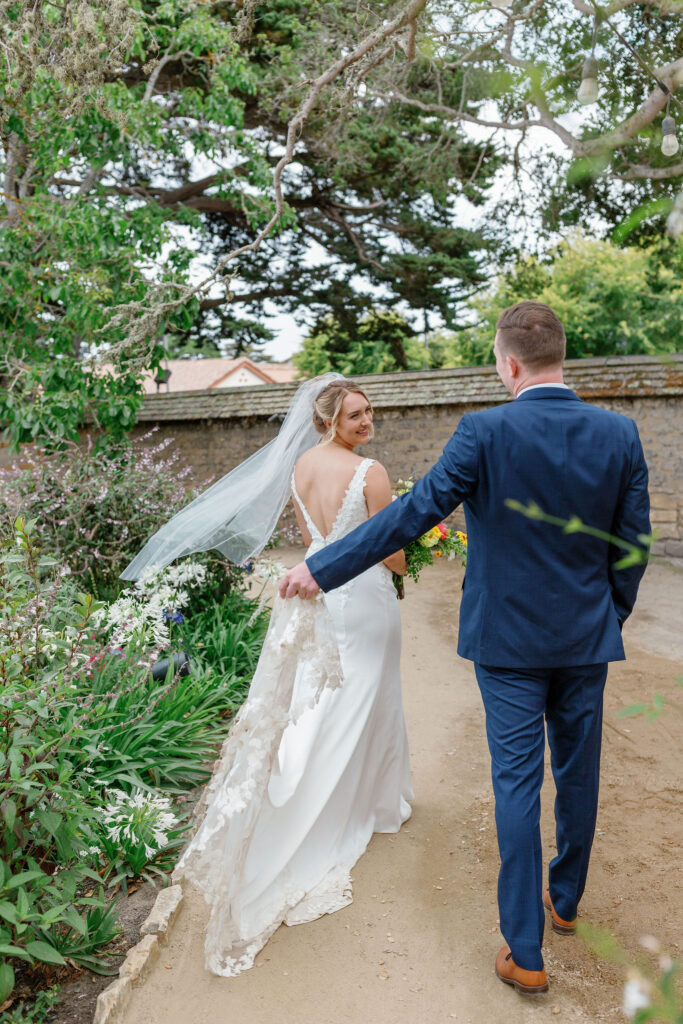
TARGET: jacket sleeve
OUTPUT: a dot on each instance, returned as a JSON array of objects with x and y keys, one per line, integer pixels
[
  {"x": 631, "y": 520},
  {"x": 436, "y": 495}
]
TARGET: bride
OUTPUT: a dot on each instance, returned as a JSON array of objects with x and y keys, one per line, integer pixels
[{"x": 317, "y": 759}]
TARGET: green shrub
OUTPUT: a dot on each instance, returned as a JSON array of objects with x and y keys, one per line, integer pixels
[{"x": 93, "y": 509}]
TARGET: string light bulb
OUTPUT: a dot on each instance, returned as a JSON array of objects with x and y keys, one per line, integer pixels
[
  {"x": 589, "y": 89},
  {"x": 674, "y": 222},
  {"x": 669, "y": 140}
]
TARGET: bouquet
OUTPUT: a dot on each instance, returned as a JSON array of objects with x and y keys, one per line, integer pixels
[{"x": 438, "y": 542}]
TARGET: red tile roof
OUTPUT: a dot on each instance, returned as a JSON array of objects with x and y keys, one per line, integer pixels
[{"x": 205, "y": 374}]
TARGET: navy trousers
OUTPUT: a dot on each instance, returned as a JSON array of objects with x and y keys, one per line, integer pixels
[{"x": 516, "y": 702}]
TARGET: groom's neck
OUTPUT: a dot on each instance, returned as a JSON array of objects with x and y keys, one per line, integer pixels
[{"x": 553, "y": 375}]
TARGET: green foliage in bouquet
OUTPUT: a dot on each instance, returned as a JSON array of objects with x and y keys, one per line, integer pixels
[{"x": 439, "y": 542}]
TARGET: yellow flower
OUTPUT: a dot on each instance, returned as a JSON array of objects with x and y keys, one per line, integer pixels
[
  {"x": 462, "y": 537},
  {"x": 432, "y": 537}
]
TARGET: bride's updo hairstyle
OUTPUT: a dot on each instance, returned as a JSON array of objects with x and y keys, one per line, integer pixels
[{"x": 328, "y": 406}]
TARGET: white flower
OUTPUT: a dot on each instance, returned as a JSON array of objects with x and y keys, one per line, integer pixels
[
  {"x": 140, "y": 819},
  {"x": 636, "y": 996}
]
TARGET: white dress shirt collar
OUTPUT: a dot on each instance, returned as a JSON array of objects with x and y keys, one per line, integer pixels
[{"x": 555, "y": 384}]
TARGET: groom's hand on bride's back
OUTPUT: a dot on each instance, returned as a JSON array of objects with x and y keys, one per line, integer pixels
[{"x": 298, "y": 582}]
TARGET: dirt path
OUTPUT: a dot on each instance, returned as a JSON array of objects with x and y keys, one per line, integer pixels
[{"x": 419, "y": 940}]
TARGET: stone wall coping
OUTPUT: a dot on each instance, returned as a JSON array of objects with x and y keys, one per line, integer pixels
[{"x": 594, "y": 378}]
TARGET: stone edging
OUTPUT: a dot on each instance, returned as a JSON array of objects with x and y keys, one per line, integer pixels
[{"x": 113, "y": 1000}]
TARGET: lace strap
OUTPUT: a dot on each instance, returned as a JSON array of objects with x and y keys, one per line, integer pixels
[
  {"x": 313, "y": 529},
  {"x": 366, "y": 463},
  {"x": 357, "y": 482}
]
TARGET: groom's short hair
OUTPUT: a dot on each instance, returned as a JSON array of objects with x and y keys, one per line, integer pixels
[{"x": 530, "y": 332}]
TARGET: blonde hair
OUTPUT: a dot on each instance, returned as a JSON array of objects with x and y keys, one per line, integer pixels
[{"x": 328, "y": 406}]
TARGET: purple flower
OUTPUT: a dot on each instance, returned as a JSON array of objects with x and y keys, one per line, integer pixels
[{"x": 175, "y": 616}]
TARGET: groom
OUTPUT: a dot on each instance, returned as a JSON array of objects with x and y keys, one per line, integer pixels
[{"x": 541, "y": 611}]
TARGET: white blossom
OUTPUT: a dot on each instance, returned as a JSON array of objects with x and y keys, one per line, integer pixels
[
  {"x": 144, "y": 608},
  {"x": 636, "y": 996},
  {"x": 140, "y": 818}
]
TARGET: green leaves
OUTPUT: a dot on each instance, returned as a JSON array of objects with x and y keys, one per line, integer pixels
[
  {"x": 611, "y": 300},
  {"x": 6, "y": 981},
  {"x": 44, "y": 952},
  {"x": 651, "y": 710}
]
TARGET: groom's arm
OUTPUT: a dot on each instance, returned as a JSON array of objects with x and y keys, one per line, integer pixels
[
  {"x": 632, "y": 520},
  {"x": 441, "y": 490}
]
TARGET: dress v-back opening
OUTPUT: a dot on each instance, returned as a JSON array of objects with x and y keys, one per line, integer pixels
[{"x": 357, "y": 479}]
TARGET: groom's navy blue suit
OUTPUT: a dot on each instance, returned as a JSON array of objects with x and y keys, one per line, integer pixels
[{"x": 541, "y": 615}]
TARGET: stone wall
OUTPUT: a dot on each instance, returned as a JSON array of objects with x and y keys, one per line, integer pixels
[{"x": 415, "y": 414}]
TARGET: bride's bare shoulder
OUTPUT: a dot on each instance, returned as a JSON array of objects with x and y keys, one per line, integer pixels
[{"x": 377, "y": 476}]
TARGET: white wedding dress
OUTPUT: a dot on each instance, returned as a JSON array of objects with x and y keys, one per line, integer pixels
[{"x": 316, "y": 761}]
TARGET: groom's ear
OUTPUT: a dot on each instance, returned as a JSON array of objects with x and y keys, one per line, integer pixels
[{"x": 513, "y": 366}]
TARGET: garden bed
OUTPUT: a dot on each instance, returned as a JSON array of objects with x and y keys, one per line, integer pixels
[{"x": 103, "y": 761}]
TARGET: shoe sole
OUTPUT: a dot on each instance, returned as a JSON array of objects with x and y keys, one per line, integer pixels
[
  {"x": 527, "y": 990},
  {"x": 560, "y": 929}
]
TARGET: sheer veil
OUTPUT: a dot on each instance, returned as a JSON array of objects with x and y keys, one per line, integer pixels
[{"x": 237, "y": 514}]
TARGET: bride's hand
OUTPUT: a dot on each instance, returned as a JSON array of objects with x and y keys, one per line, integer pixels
[{"x": 298, "y": 582}]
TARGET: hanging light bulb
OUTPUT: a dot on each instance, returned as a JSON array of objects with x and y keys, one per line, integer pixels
[
  {"x": 674, "y": 222},
  {"x": 588, "y": 90},
  {"x": 502, "y": 5},
  {"x": 669, "y": 140}
]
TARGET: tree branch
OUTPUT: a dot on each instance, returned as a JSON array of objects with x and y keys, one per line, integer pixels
[
  {"x": 636, "y": 171},
  {"x": 142, "y": 322},
  {"x": 154, "y": 77},
  {"x": 671, "y": 75},
  {"x": 666, "y": 6}
]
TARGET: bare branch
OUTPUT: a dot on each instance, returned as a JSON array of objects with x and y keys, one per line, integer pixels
[
  {"x": 354, "y": 239},
  {"x": 636, "y": 171},
  {"x": 9, "y": 191},
  {"x": 670, "y": 74},
  {"x": 456, "y": 114},
  {"x": 358, "y": 209},
  {"x": 142, "y": 321},
  {"x": 154, "y": 77},
  {"x": 665, "y": 6}
]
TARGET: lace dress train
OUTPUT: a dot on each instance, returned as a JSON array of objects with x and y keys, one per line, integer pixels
[{"x": 316, "y": 761}]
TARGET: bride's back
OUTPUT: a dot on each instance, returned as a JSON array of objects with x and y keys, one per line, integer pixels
[{"x": 322, "y": 476}]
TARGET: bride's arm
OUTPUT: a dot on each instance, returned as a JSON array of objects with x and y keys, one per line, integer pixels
[{"x": 377, "y": 497}]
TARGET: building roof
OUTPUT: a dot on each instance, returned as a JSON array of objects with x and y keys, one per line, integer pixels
[
  {"x": 613, "y": 377},
  {"x": 205, "y": 374}
]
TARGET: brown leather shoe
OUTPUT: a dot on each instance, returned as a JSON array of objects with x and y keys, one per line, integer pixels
[
  {"x": 556, "y": 923},
  {"x": 531, "y": 983}
]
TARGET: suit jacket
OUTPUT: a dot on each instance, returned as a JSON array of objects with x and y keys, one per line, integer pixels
[{"x": 533, "y": 595}]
